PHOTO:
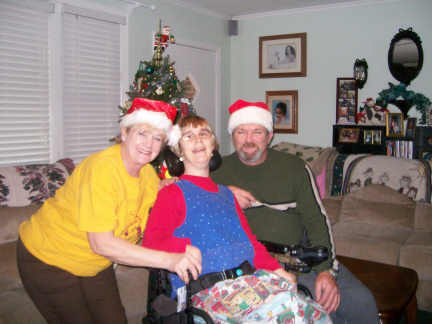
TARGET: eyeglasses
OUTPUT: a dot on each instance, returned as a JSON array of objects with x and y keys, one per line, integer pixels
[{"x": 202, "y": 135}]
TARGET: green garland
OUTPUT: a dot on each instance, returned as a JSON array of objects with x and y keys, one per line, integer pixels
[{"x": 400, "y": 96}]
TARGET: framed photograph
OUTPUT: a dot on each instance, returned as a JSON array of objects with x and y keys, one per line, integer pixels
[
  {"x": 394, "y": 124},
  {"x": 368, "y": 137},
  {"x": 349, "y": 135},
  {"x": 376, "y": 137},
  {"x": 410, "y": 128},
  {"x": 282, "y": 56},
  {"x": 284, "y": 108},
  {"x": 346, "y": 101}
]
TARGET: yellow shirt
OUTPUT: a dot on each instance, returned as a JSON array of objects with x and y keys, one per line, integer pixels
[{"x": 99, "y": 196}]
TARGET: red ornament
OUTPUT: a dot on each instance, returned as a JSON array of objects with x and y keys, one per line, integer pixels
[{"x": 184, "y": 109}]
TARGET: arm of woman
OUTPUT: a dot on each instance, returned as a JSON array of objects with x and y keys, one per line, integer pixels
[{"x": 124, "y": 252}]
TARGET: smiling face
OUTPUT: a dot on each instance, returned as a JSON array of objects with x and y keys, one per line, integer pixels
[
  {"x": 141, "y": 144},
  {"x": 196, "y": 145},
  {"x": 250, "y": 142}
]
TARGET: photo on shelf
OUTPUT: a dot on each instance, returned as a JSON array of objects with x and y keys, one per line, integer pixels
[
  {"x": 376, "y": 137},
  {"x": 394, "y": 124},
  {"x": 368, "y": 137},
  {"x": 346, "y": 101},
  {"x": 349, "y": 135},
  {"x": 410, "y": 128}
]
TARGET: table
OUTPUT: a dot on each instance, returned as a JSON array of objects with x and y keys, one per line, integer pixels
[{"x": 393, "y": 287}]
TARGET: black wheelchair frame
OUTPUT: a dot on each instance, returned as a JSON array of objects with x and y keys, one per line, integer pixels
[{"x": 162, "y": 309}]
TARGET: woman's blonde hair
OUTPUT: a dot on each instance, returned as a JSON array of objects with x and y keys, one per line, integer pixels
[{"x": 194, "y": 121}]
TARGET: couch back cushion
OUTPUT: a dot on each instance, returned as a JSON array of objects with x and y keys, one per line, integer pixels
[
  {"x": 30, "y": 184},
  {"x": 378, "y": 211},
  {"x": 411, "y": 178}
]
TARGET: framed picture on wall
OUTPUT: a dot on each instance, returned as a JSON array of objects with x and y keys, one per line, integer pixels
[
  {"x": 346, "y": 101},
  {"x": 282, "y": 56},
  {"x": 394, "y": 124},
  {"x": 284, "y": 108}
]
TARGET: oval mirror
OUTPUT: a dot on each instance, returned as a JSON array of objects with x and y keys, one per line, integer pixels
[{"x": 405, "y": 56}]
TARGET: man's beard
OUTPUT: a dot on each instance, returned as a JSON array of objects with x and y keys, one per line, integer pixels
[{"x": 250, "y": 157}]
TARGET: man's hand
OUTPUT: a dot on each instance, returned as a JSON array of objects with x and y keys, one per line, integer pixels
[
  {"x": 292, "y": 278},
  {"x": 188, "y": 262},
  {"x": 244, "y": 198},
  {"x": 327, "y": 291}
]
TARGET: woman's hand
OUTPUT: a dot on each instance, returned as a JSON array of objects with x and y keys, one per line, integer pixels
[
  {"x": 166, "y": 182},
  {"x": 244, "y": 198},
  {"x": 291, "y": 277},
  {"x": 188, "y": 262}
]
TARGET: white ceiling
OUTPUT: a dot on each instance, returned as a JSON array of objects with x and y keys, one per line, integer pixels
[{"x": 237, "y": 8}]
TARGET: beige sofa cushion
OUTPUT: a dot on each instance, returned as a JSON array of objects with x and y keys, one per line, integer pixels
[
  {"x": 380, "y": 207},
  {"x": 423, "y": 217},
  {"x": 11, "y": 217},
  {"x": 374, "y": 223},
  {"x": 9, "y": 277},
  {"x": 416, "y": 253}
]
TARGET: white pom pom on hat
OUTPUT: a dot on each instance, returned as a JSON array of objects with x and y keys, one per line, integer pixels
[
  {"x": 244, "y": 112},
  {"x": 156, "y": 113}
]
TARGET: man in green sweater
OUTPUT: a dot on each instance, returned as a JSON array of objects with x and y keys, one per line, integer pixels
[{"x": 257, "y": 173}]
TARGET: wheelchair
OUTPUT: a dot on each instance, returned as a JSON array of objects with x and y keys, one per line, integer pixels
[{"x": 162, "y": 309}]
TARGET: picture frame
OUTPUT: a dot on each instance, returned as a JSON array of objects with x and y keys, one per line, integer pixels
[
  {"x": 349, "y": 135},
  {"x": 376, "y": 137},
  {"x": 283, "y": 106},
  {"x": 410, "y": 128},
  {"x": 368, "y": 136},
  {"x": 283, "y": 56},
  {"x": 346, "y": 101},
  {"x": 394, "y": 124}
]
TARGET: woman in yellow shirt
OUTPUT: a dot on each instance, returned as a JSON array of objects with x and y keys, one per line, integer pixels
[{"x": 67, "y": 249}]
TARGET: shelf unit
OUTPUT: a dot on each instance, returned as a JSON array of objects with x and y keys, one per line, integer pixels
[{"x": 361, "y": 141}]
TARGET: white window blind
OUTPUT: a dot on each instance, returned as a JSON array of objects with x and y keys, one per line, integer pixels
[
  {"x": 91, "y": 91},
  {"x": 24, "y": 82}
]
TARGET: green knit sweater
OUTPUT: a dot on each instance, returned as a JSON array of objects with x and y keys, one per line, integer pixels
[{"x": 281, "y": 178}]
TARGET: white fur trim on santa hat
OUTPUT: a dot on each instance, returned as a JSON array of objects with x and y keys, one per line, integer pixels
[
  {"x": 153, "y": 118},
  {"x": 174, "y": 135},
  {"x": 251, "y": 115}
]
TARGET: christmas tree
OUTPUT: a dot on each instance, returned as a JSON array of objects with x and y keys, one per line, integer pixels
[{"x": 157, "y": 80}]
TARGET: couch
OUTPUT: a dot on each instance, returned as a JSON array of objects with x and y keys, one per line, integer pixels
[
  {"x": 22, "y": 190},
  {"x": 379, "y": 207}
]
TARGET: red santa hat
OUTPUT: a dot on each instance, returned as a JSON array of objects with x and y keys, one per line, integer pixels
[
  {"x": 243, "y": 112},
  {"x": 156, "y": 113}
]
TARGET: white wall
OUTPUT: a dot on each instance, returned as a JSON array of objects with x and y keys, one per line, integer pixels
[{"x": 335, "y": 38}]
